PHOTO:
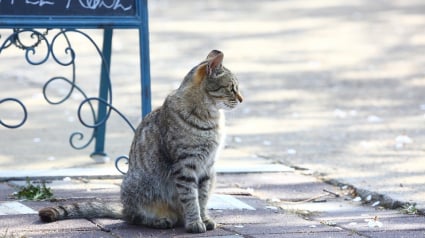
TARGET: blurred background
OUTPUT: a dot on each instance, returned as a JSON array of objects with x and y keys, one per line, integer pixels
[{"x": 333, "y": 87}]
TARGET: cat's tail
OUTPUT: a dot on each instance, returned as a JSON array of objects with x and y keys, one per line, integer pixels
[{"x": 92, "y": 209}]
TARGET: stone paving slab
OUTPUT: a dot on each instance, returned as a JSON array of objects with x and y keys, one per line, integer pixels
[
  {"x": 5, "y": 192},
  {"x": 282, "y": 186},
  {"x": 287, "y": 226},
  {"x": 67, "y": 234},
  {"x": 339, "y": 234},
  {"x": 14, "y": 207},
  {"x": 281, "y": 217},
  {"x": 390, "y": 220},
  {"x": 31, "y": 223},
  {"x": 121, "y": 229},
  {"x": 395, "y": 234}
]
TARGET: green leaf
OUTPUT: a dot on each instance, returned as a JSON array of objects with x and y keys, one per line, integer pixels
[{"x": 32, "y": 192}]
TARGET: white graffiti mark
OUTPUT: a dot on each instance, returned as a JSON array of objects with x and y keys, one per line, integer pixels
[
  {"x": 86, "y": 4},
  {"x": 39, "y": 3},
  {"x": 116, "y": 4},
  {"x": 96, "y": 4}
]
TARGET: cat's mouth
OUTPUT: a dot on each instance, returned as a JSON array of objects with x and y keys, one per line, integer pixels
[{"x": 230, "y": 104}]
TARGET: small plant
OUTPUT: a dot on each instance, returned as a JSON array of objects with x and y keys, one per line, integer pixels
[
  {"x": 409, "y": 209},
  {"x": 34, "y": 192}
]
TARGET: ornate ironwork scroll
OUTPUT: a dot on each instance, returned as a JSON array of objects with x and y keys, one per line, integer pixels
[
  {"x": 25, "y": 16},
  {"x": 31, "y": 47},
  {"x": 24, "y": 109}
]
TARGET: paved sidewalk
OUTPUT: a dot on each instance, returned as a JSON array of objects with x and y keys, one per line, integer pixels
[
  {"x": 332, "y": 87},
  {"x": 285, "y": 204}
]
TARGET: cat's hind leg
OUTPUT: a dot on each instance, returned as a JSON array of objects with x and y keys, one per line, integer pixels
[{"x": 157, "y": 215}]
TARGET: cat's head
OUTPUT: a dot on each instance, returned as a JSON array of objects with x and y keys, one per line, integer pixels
[{"x": 219, "y": 83}]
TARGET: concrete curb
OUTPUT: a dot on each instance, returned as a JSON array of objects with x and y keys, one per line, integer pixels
[{"x": 369, "y": 197}]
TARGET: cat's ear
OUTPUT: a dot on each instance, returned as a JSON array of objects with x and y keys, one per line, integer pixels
[
  {"x": 215, "y": 59},
  {"x": 207, "y": 68}
]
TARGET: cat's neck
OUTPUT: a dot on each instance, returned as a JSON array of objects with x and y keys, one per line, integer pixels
[{"x": 196, "y": 102}]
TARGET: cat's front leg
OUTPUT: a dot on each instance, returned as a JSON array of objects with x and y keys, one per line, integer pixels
[
  {"x": 205, "y": 186},
  {"x": 187, "y": 189}
]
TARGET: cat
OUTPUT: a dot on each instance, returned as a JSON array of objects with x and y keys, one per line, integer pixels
[{"x": 171, "y": 161}]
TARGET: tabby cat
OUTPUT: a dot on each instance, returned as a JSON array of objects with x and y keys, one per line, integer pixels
[{"x": 171, "y": 162}]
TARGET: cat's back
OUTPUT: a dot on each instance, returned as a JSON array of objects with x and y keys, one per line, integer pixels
[{"x": 146, "y": 146}]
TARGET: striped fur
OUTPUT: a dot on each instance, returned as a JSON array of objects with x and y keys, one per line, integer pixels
[{"x": 171, "y": 166}]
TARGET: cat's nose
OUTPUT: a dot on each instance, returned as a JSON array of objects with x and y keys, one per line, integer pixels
[{"x": 239, "y": 97}]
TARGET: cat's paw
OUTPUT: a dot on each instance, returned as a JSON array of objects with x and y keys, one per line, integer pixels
[
  {"x": 163, "y": 223},
  {"x": 48, "y": 214},
  {"x": 196, "y": 227},
  {"x": 210, "y": 224}
]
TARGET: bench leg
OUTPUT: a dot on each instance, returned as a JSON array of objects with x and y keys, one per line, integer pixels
[{"x": 99, "y": 154}]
